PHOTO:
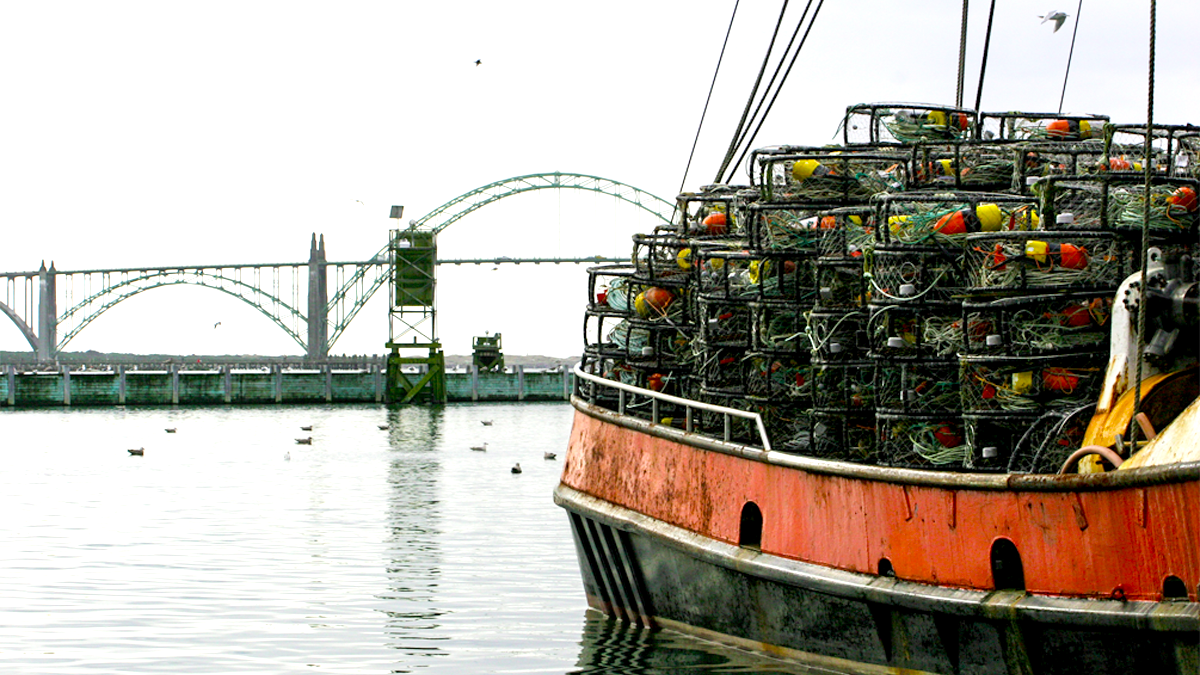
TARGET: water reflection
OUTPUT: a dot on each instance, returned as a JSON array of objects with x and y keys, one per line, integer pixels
[
  {"x": 414, "y": 526},
  {"x": 615, "y": 648}
]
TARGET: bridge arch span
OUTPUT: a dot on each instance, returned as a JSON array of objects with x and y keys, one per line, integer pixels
[
  {"x": 26, "y": 331},
  {"x": 92, "y": 307}
]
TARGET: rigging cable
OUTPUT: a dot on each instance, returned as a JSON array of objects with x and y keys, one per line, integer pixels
[
  {"x": 709, "y": 99},
  {"x": 770, "y": 105},
  {"x": 1146, "y": 168},
  {"x": 753, "y": 93},
  {"x": 745, "y": 131},
  {"x": 962, "y": 55},
  {"x": 1074, "y": 32},
  {"x": 987, "y": 42}
]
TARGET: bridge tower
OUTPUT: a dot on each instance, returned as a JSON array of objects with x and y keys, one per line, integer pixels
[
  {"x": 318, "y": 301},
  {"x": 47, "y": 322},
  {"x": 413, "y": 257}
]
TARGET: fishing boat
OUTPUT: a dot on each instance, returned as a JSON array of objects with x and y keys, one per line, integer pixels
[{"x": 925, "y": 401}]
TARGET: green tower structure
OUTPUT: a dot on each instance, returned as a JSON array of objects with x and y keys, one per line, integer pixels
[{"x": 412, "y": 321}]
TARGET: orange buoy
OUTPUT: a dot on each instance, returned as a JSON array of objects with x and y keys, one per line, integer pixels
[
  {"x": 958, "y": 222},
  {"x": 1059, "y": 379},
  {"x": 1075, "y": 316},
  {"x": 655, "y": 382},
  {"x": 715, "y": 223},
  {"x": 948, "y": 436},
  {"x": 1065, "y": 255},
  {"x": 1183, "y": 197},
  {"x": 1069, "y": 129},
  {"x": 658, "y": 299}
]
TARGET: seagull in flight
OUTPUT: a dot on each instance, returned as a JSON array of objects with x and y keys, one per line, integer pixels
[
  {"x": 478, "y": 62},
  {"x": 1056, "y": 16},
  {"x": 216, "y": 324}
]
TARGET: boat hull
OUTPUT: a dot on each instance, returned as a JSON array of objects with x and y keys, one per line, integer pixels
[{"x": 669, "y": 561}]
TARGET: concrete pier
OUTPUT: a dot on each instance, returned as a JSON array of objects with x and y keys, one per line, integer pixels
[{"x": 227, "y": 384}]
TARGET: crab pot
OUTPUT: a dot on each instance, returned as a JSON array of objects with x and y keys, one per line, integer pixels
[
  {"x": 906, "y": 123},
  {"x": 1174, "y": 148},
  {"x": 838, "y": 336},
  {"x": 717, "y": 212},
  {"x": 849, "y": 232},
  {"x": 1031, "y": 126},
  {"x": 847, "y": 387},
  {"x": 662, "y": 258},
  {"x": 921, "y": 441},
  {"x": 900, "y": 275},
  {"x": 784, "y": 275},
  {"x": 721, "y": 370},
  {"x": 843, "y": 436},
  {"x": 1038, "y": 324},
  {"x": 781, "y": 328},
  {"x": 1037, "y": 160},
  {"x": 742, "y": 430},
  {"x": 994, "y": 439},
  {"x": 1116, "y": 202},
  {"x": 1027, "y": 384},
  {"x": 841, "y": 176},
  {"x": 725, "y": 324},
  {"x": 610, "y": 288},
  {"x": 965, "y": 165},
  {"x": 916, "y": 385},
  {"x": 724, "y": 273},
  {"x": 779, "y": 379},
  {"x": 918, "y": 329},
  {"x": 789, "y": 427},
  {"x": 790, "y": 227},
  {"x": 651, "y": 345},
  {"x": 1045, "y": 442},
  {"x": 1041, "y": 262},
  {"x": 840, "y": 283},
  {"x": 946, "y": 219}
]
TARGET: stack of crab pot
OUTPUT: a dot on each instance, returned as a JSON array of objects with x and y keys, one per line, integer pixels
[
  {"x": 1039, "y": 302},
  {"x": 714, "y": 223},
  {"x": 814, "y": 208}
]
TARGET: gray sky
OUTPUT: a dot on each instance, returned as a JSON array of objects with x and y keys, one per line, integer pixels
[{"x": 159, "y": 133}]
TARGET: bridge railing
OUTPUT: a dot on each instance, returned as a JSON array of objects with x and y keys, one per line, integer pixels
[{"x": 624, "y": 392}]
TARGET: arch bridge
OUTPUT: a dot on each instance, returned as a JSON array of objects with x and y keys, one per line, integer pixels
[{"x": 295, "y": 297}]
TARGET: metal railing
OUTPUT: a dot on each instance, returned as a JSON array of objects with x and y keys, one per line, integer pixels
[{"x": 688, "y": 405}]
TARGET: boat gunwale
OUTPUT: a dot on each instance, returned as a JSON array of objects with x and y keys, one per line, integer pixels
[{"x": 1114, "y": 480}]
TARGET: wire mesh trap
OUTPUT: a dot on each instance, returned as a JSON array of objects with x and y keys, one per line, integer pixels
[
  {"x": 840, "y": 283},
  {"x": 1041, "y": 159},
  {"x": 915, "y": 274},
  {"x": 926, "y": 330},
  {"x": 781, "y": 328},
  {"x": 965, "y": 165},
  {"x": 1027, "y": 126},
  {"x": 916, "y": 385},
  {"x": 837, "y": 335},
  {"x": 847, "y": 387},
  {"x": 1028, "y": 384},
  {"x": 779, "y": 379},
  {"x": 947, "y": 218},
  {"x": 848, "y": 232},
  {"x": 921, "y": 441},
  {"x": 1038, "y": 324},
  {"x": 1117, "y": 202},
  {"x": 906, "y": 123},
  {"x": 1047, "y": 441},
  {"x": 662, "y": 259},
  {"x": 725, "y": 324},
  {"x": 716, "y": 212},
  {"x": 843, "y": 436},
  {"x": 837, "y": 176},
  {"x": 1175, "y": 148},
  {"x": 1032, "y": 262}
]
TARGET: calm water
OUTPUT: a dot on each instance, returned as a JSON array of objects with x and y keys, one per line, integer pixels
[{"x": 370, "y": 551}]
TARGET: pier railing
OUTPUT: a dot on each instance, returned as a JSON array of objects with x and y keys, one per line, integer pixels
[{"x": 624, "y": 391}]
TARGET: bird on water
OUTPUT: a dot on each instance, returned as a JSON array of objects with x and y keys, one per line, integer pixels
[
  {"x": 306, "y": 428},
  {"x": 479, "y": 448},
  {"x": 383, "y": 427},
  {"x": 516, "y": 468},
  {"x": 304, "y": 441},
  {"x": 549, "y": 455},
  {"x": 137, "y": 452},
  {"x": 486, "y": 423},
  {"x": 171, "y": 430}
]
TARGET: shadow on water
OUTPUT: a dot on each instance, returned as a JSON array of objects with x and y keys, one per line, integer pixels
[
  {"x": 616, "y": 648},
  {"x": 413, "y": 520}
]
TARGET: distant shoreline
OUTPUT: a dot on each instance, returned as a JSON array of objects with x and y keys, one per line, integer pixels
[{"x": 89, "y": 357}]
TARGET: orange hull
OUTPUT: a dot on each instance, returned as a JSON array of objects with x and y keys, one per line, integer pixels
[{"x": 1086, "y": 537}]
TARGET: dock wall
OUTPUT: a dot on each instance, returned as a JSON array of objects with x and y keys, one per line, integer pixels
[{"x": 227, "y": 385}]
